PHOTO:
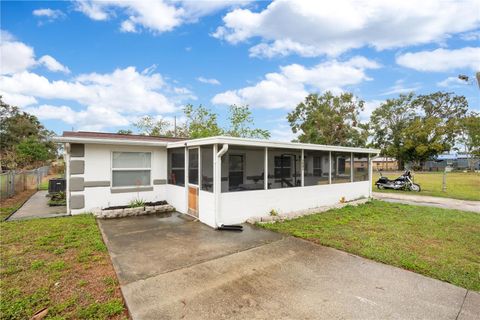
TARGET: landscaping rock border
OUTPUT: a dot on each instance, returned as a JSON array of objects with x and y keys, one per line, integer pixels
[
  {"x": 130, "y": 212},
  {"x": 297, "y": 214}
]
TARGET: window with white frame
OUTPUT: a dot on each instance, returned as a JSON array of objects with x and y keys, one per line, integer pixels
[{"x": 131, "y": 169}]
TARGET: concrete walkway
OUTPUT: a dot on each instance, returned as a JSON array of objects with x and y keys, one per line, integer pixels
[
  {"x": 37, "y": 207},
  {"x": 176, "y": 268},
  {"x": 446, "y": 203}
]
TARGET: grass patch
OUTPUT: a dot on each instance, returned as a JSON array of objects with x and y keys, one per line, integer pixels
[
  {"x": 60, "y": 264},
  {"x": 439, "y": 243},
  {"x": 460, "y": 185}
]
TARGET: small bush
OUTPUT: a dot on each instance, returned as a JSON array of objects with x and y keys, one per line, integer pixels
[
  {"x": 273, "y": 213},
  {"x": 137, "y": 203}
]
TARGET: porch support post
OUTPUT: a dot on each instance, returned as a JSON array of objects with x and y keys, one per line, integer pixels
[
  {"x": 330, "y": 164},
  {"x": 302, "y": 167},
  {"x": 265, "y": 174},
  {"x": 351, "y": 166},
  {"x": 186, "y": 179},
  {"x": 370, "y": 171}
]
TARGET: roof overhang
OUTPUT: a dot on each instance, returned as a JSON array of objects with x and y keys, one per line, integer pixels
[
  {"x": 129, "y": 142},
  {"x": 266, "y": 143}
]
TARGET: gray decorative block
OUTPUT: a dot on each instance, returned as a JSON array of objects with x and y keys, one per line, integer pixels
[
  {"x": 77, "y": 150},
  {"x": 77, "y": 201},
  {"x": 76, "y": 184},
  {"x": 159, "y": 181},
  {"x": 77, "y": 167}
]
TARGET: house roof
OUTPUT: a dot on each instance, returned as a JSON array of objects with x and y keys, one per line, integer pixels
[
  {"x": 247, "y": 142},
  {"x": 170, "y": 142},
  {"x": 113, "y": 138}
]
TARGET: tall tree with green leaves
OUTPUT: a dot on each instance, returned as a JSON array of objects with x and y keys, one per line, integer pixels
[
  {"x": 201, "y": 122},
  {"x": 153, "y": 127},
  {"x": 242, "y": 124},
  {"x": 470, "y": 136},
  {"x": 415, "y": 128},
  {"x": 387, "y": 125},
  {"x": 329, "y": 119},
  {"x": 18, "y": 128}
]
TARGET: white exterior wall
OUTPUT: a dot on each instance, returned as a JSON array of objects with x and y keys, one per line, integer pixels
[
  {"x": 98, "y": 167},
  {"x": 176, "y": 196},
  {"x": 237, "y": 207},
  {"x": 206, "y": 208}
]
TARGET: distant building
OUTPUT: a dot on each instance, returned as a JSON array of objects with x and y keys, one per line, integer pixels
[
  {"x": 385, "y": 164},
  {"x": 456, "y": 161}
]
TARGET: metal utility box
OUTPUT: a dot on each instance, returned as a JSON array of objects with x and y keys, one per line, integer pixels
[{"x": 57, "y": 185}]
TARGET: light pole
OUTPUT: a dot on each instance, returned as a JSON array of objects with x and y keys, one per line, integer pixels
[{"x": 466, "y": 78}]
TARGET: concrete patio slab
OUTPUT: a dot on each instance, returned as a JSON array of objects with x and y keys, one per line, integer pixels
[
  {"x": 176, "y": 268},
  {"x": 37, "y": 207}
]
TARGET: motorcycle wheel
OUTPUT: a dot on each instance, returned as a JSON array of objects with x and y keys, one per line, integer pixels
[
  {"x": 381, "y": 187},
  {"x": 415, "y": 187}
]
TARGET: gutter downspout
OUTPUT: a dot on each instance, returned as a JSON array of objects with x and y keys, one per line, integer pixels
[{"x": 218, "y": 182}]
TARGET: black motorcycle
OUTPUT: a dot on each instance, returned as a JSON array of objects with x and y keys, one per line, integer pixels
[{"x": 404, "y": 182}]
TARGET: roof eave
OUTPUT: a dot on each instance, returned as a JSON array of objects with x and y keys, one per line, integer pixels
[
  {"x": 266, "y": 143},
  {"x": 109, "y": 141}
]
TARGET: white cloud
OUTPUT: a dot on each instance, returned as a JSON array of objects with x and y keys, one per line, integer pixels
[
  {"x": 155, "y": 15},
  {"x": 451, "y": 82},
  {"x": 441, "y": 59},
  {"x": 48, "y": 13},
  {"x": 15, "y": 56},
  {"x": 208, "y": 80},
  {"x": 400, "y": 87},
  {"x": 368, "y": 108},
  {"x": 471, "y": 36},
  {"x": 285, "y": 89},
  {"x": 92, "y": 118},
  {"x": 53, "y": 65},
  {"x": 124, "y": 90},
  {"x": 311, "y": 28}
]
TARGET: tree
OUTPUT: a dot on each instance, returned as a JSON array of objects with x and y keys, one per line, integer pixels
[
  {"x": 30, "y": 152},
  {"x": 470, "y": 135},
  {"x": 329, "y": 119},
  {"x": 415, "y": 128},
  {"x": 241, "y": 123},
  {"x": 201, "y": 122},
  {"x": 124, "y": 131},
  {"x": 15, "y": 128},
  {"x": 387, "y": 124},
  {"x": 151, "y": 127}
]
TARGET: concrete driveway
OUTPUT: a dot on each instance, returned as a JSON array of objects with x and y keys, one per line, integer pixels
[{"x": 176, "y": 268}]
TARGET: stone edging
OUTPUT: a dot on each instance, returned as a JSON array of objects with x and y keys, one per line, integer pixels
[
  {"x": 129, "y": 212},
  {"x": 301, "y": 213}
]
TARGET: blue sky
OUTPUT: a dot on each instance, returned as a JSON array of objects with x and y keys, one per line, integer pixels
[{"x": 101, "y": 65}]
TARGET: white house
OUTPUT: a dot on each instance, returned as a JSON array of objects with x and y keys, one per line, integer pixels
[{"x": 219, "y": 180}]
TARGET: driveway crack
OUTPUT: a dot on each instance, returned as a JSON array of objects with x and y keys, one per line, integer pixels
[{"x": 461, "y": 307}]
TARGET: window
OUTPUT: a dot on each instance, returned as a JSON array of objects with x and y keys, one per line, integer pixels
[
  {"x": 316, "y": 167},
  {"x": 207, "y": 168},
  {"x": 360, "y": 167},
  {"x": 243, "y": 169},
  {"x": 193, "y": 166},
  {"x": 131, "y": 169},
  {"x": 235, "y": 171},
  {"x": 282, "y": 167},
  {"x": 176, "y": 166},
  {"x": 341, "y": 167}
]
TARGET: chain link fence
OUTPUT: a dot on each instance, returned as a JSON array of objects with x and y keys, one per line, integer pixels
[{"x": 12, "y": 182}]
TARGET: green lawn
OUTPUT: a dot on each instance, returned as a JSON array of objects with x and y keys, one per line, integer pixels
[
  {"x": 439, "y": 243},
  {"x": 460, "y": 185},
  {"x": 61, "y": 264}
]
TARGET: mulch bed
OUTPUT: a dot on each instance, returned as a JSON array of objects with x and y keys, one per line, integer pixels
[{"x": 147, "y": 204}]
